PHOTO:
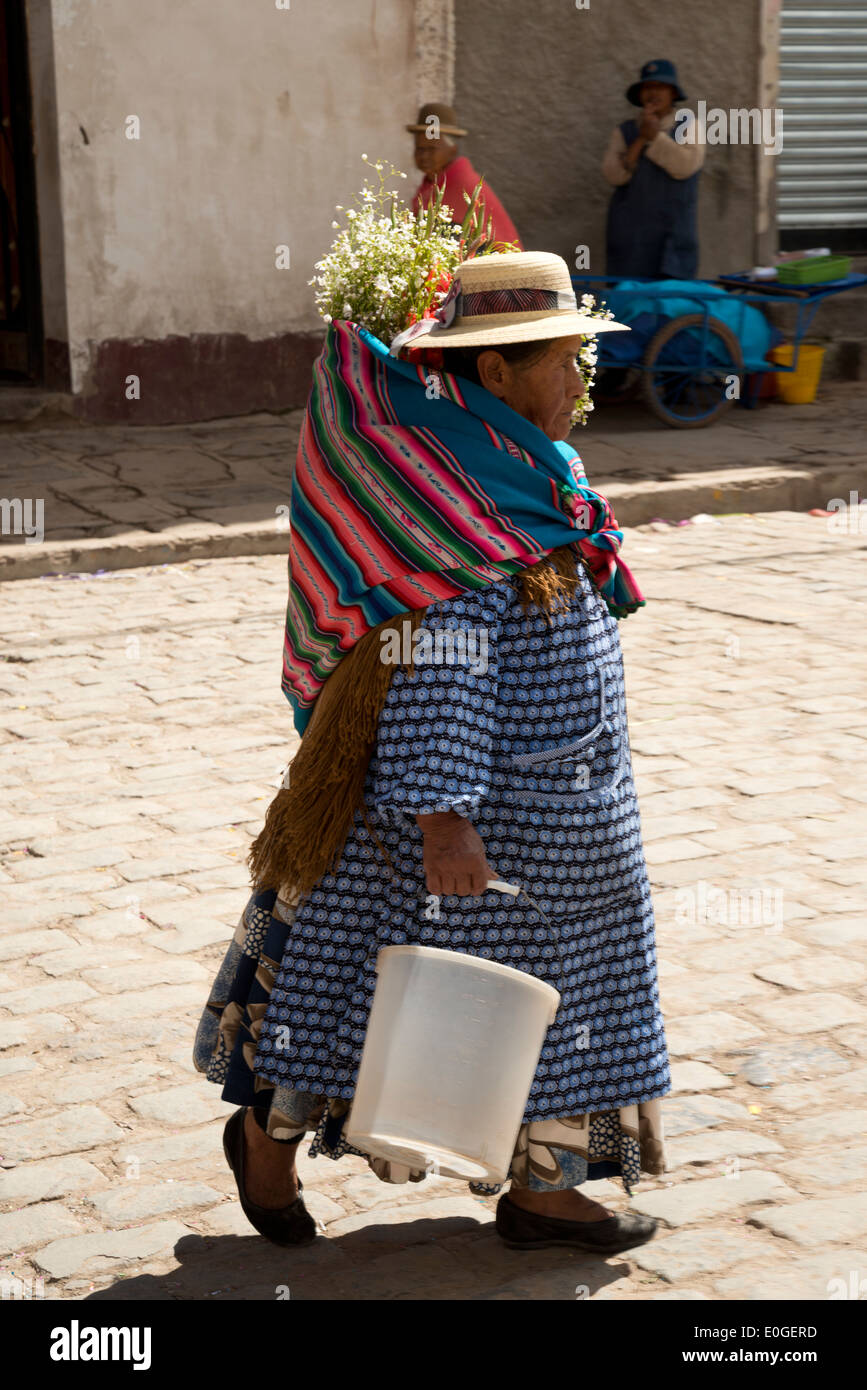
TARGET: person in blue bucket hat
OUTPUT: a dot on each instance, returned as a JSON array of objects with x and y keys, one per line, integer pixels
[{"x": 651, "y": 229}]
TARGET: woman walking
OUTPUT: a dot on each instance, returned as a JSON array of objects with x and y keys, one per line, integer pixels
[{"x": 445, "y": 501}]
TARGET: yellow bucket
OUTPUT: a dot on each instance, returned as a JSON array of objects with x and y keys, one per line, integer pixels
[{"x": 800, "y": 386}]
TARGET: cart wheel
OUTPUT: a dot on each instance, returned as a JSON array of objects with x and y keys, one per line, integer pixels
[{"x": 678, "y": 388}]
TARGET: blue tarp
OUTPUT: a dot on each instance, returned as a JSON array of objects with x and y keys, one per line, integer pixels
[{"x": 646, "y": 314}]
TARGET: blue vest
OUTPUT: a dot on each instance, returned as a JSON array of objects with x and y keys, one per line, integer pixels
[{"x": 652, "y": 222}]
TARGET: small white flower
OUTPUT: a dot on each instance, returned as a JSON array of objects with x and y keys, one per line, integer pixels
[{"x": 384, "y": 260}]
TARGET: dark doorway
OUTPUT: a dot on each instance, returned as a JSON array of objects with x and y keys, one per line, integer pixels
[{"x": 20, "y": 294}]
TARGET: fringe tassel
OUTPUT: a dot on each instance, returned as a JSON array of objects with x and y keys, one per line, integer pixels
[
  {"x": 307, "y": 822},
  {"x": 551, "y": 583}
]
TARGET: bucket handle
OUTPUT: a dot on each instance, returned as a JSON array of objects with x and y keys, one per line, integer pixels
[
  {"x": 514, "y": 890},
  {"x": 511, "y": 888}
]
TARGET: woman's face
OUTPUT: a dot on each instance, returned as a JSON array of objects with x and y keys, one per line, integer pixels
[
  {"x": 544, "y": 393},
  {"x": 432, "y": 156},
  {"x": 657, "y": 97}
]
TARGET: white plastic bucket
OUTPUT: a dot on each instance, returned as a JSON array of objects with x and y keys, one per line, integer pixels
[{"x": 449, "y": 1057}]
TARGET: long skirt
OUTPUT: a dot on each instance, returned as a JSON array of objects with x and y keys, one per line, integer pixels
[{"x": 551, "y": 1153}]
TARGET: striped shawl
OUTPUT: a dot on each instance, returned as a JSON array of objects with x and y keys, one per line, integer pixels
[{"x": 413, "y": 485}]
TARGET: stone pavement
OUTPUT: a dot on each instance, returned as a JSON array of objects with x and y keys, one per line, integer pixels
[
  {"x": 144, "y": 735},
  {"x": 122, "y": 497}
]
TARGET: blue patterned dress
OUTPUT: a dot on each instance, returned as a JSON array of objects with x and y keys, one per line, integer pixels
[{"x": 522, "y": 729}]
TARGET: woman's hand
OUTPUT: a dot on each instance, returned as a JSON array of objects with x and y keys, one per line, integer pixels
[
  {"x": 454, "y": 855},
  {"x": 649, "y": 126}
]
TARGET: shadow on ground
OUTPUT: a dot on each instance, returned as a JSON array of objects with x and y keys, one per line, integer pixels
[{"x": 437, "y": 1259}]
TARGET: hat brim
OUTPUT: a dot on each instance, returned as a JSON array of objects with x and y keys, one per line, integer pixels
[
  {"x": 633, "y": 93},
  {"x": 444, "y": 129},
  {"x": 491, "y": 329}
]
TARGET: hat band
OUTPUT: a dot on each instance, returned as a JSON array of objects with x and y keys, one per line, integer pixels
[
  {"x": 482, "y": 303},
  {"x": 470, "y": 304}
]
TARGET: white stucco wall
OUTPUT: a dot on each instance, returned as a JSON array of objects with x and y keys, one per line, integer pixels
[
  {"x": 435, "y": 50},
  {"x": 253, "y": 120}
]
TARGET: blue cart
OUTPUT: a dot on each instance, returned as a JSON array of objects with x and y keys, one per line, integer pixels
[{"x": 689, "y": 366}]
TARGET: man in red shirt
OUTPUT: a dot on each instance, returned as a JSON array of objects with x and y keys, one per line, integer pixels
[{"x": 437, "y": 157}]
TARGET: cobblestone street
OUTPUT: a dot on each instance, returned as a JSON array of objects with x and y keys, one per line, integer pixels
[{"x": 145, "y": 736}]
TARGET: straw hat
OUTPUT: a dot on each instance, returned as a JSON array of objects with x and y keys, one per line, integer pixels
[
  {"x": 445, "y": 115},
  {"x": 508, "y": 297}
]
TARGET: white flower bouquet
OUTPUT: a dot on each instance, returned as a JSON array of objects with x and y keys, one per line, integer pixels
[
  {"x": 587, "y": 356},
  {"x": 389, "y": 267}
]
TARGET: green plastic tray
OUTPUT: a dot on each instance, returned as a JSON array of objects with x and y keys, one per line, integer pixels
[{"x": 814, "y": 272}]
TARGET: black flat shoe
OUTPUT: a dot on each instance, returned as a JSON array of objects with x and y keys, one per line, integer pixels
[
  {"x": 292, "y": 1225},
  {"x": 526, "y": 1230}
]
